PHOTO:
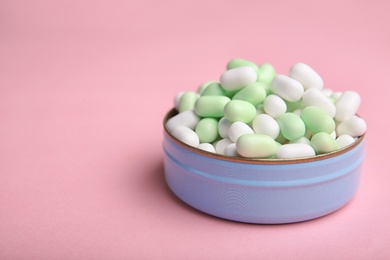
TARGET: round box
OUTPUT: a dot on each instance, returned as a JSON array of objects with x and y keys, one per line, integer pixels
[{"x": 264, "y": 191}]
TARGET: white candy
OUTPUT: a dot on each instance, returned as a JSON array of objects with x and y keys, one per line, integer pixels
[
  {"x": 296, "y": 150},
  {"x": 176, "y": 101},
  {"x": 333, "y": 135},
  {"x": 266, "y": 125},
  {"x": 306, "y": 75},
  {"x": 355, "y": 126},
  {"x": 223, "y": 127},
  {"x": 207, "y": 147},
  {"x": 237, "y": 129},
  {"x": 347, "y": 105},
  {"x": 274, "y": 106},
  {"x": 186, "y": 135},
  {"x": 344, "y": 140},
  {"x": 287, "y": 88},
  {"x": 237, "y": 78},
  {"x": 230, "y": 150},
  {"x": 221, "y": 144},
  {"x": 315, "y": 97},
  {"x": 187, "y": 118},
  {"x": 302, "y": 140}
]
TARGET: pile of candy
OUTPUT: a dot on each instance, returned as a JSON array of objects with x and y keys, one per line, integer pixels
[{"x": 255, "y": 113}]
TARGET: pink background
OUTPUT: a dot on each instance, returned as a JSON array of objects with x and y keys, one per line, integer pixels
[{"x": 84, "y": 86}]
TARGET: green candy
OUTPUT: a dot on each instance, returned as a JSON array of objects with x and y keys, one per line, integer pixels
[
  {"x": 254, "y": 93},
  {"x": 235, "y": 63},
  {"x": 207, "y": 130},
  {"x": 214, "y": 89},
  {"x": 211, "y": 106},
  {"x": 291, "y": 126},
  {"x": 317, "y": 120},
  {"x": 266, "y": 73},
  {"x": 187, "y": 101},
  {"x": 240, "y": 110},
  {"x": 204, "y": 85},
  {"x": 256, "y": 146},
  {"x": 323, "y": 143}
]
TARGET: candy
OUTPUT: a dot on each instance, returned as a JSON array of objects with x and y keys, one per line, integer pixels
[
  {"x": 176, "y": 100},
  {"x": 317, "y": 120},
  {"x": 214, "y": 89},
  {"x": 344, "y": 140},
  {"x": 302, "y": 140},
  {"x": 274, "y": 106},
  {"x": 254, "y": 113},
  {"x": 347, "y": 105},
  {"x": 204, "y": 85},
  {"x": 287, "y": 88},
  {"x": 315, "y": 97},
  {"x": 306, "y": 75},
  {"x": 355, "y": 126},
  {"x": 186, "y": 135},
  {"x": 235, "y": 63},
  {"x": 223, "y": 127},
  {"x": 221, "y": 144},
  {"x": 323, "y": 143},
  {"x": 237, "y": 129},
  {"x": 240, "y": 110},
  {"x": 207, "y": 147},
  {"x": 238, "y": 78},
  {"x": 254, "y": 93},
  {"x": 187, "y": 101},
  {"x": 266, "y": 74},
  {"x": 187, "y": 118},
  {"x": 211, "y": 106},
  {"x": 291, "y": 126},
  {"x": 267, "y": 125},
  {"x": 230, "y": 150},
  {"x": 255, "y": 146},
  {"x": 295, "y": 150},
  {"x": 207, "y": 130}
]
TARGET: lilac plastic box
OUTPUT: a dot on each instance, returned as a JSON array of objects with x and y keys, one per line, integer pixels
[{"x": 263, "y": 191}]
